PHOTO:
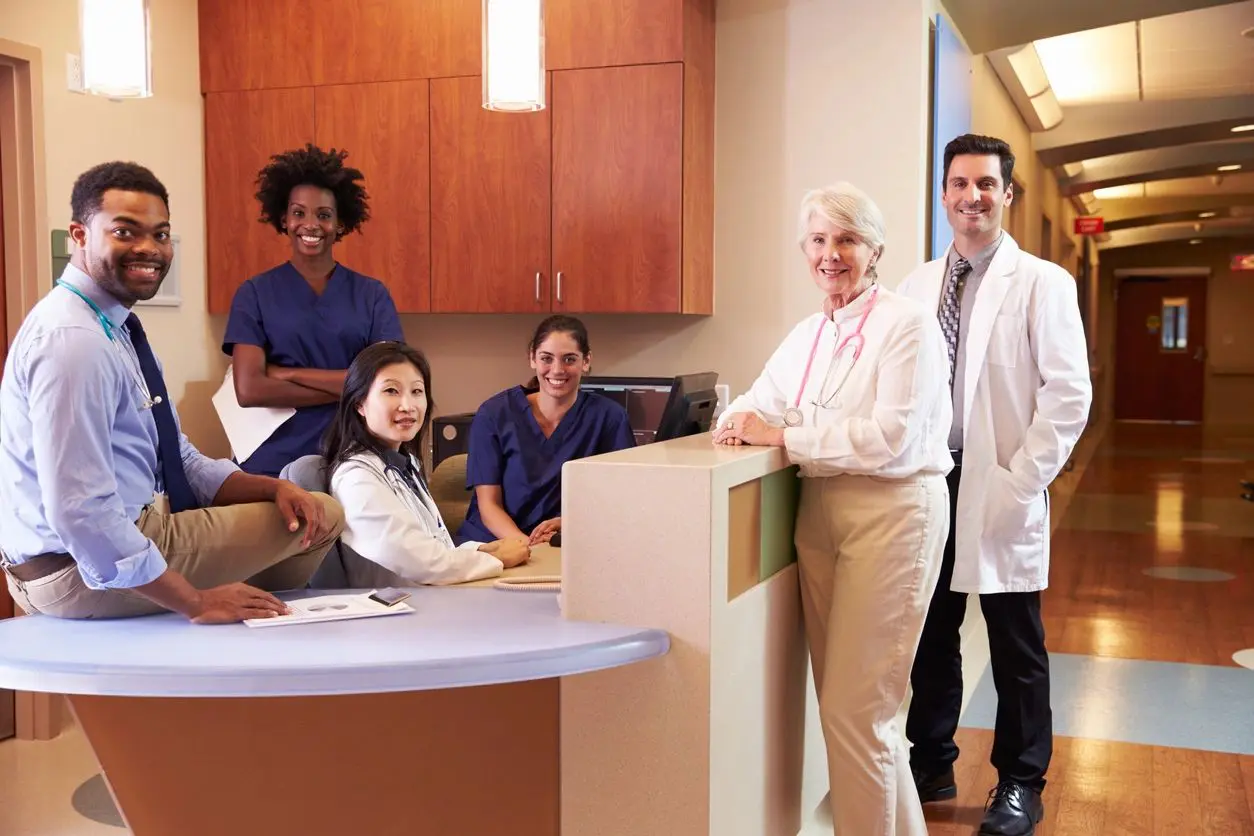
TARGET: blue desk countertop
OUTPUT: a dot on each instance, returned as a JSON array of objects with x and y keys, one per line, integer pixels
[{"x": 455, "y": 638}]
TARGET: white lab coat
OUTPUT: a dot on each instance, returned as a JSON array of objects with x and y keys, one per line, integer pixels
[
  {"x": 399, "y": 532},
  {"x": 1026, "y": 400}
]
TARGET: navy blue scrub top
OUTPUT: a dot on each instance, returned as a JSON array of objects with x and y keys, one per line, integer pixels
[
  {"x": 298, "y": 328},
  {"x": 508, "y": 448}
]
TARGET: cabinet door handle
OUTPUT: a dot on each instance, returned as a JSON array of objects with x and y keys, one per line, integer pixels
[
  {"x": 537, "y": 287},
  {"x": 559, "y": 285}
]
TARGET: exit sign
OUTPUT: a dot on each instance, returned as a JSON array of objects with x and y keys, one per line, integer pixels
[{"x": 1090, "y": 225}]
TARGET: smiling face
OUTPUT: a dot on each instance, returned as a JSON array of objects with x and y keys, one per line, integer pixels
[
  {"x": 838, "y": 258},
  {"x": 311, "y": 221},
  {"x": 396, "y": 404},
  {"x": 125, "y": 245},
  {"x": 559, "y": 365},
  {"x": 975, "y": 199}
]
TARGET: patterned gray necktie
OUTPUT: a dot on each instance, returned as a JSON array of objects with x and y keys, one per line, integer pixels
[{"x": 951, "y": 310}]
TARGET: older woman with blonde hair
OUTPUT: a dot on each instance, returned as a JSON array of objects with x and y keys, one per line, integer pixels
[{"x": 858, "y": 397}]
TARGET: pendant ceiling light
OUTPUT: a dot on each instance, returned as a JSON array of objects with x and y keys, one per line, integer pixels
[
  {"x": 117, "y": 60},
  {"x": 513, "y": 55}
]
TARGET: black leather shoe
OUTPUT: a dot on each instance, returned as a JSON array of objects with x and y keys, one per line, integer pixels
[
  {"x": 935, "y": 786},
  {"x": 1012, "y": 810}
]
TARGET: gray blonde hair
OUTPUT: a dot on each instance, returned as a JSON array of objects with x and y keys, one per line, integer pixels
[{"x": 846, "y": 206}]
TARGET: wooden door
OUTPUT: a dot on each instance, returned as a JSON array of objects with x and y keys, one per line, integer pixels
[
  {"x": 617, "y": 189},
  {"x": 490, "y": 176},
  {"x": 8, "y": 717},
  {"x": 1160, "y": 356},
  {"x": 384, "y": 128},
  {"x": 247, "y": 45},
  {"x": 242, "y": 131},
  {"x": 608, "y": 33},
  {"x": 391, "y": 40}
]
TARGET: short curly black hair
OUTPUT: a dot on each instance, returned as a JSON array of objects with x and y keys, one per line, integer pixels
[
  {"x": 311, "y": 166},
  {"x": 89, "y": 188}
]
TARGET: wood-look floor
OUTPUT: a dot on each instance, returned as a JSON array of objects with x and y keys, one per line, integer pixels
[
  {"x": 1101, "y": 604},
  {"x": 1098, "y": 788}
]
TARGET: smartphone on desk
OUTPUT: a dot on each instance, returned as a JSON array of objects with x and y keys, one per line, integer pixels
[{"x": 389, "y": 597}]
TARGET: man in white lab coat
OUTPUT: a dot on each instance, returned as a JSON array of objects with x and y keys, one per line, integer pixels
[{"x": 1021, "y": 393}]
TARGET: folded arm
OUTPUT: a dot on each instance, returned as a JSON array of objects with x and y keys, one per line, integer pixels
[{"x": 255, "y": 386}]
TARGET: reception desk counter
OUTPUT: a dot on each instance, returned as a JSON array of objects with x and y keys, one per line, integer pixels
[{"x": 663, "y": 691}]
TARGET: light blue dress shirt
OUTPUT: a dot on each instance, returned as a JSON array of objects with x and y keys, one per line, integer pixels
[{"x": 78, "y": 453}]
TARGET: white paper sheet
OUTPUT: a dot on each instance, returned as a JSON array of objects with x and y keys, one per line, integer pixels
[
  {"x": 330, "y": 608},
  {"x": 247, "y": 427}
]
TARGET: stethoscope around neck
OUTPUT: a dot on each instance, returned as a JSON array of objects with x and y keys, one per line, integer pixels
[
  {"x": 792, "y": 415},
  {"x": 111, "y": 331}
]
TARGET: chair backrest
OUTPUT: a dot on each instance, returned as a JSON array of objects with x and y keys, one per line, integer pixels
[
  {"x": 309, "y": 473},
  {"x": 448, "y": 489}
]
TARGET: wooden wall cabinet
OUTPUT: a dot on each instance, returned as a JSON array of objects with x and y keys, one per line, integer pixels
[
  {"x": 242, "y": 130},
  {"x": 394, "y": 246},
  {"x": 602, "y": 202}
]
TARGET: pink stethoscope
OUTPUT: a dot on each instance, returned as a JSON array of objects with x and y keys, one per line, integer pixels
[{"x": 792, "y": 415}]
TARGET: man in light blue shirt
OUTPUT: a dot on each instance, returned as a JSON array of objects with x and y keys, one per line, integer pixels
[{"x": 106, "y": 509}]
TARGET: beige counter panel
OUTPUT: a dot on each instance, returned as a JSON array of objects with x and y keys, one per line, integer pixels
[{"x": 709, "y": 739}]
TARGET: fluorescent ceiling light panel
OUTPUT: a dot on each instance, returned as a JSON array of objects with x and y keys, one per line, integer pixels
[
  {"x": 1099, "y": 65},
  {"x": 1118, "y": 192}
]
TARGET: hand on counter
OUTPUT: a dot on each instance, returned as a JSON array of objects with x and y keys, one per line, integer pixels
[
  {"x": 234, "y": 602},
  {"x": 544, "y": 532},
  {"x": 512, "y": 552},
  {"x": 748, "y": 428}
]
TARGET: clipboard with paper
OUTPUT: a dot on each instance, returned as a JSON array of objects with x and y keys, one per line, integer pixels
[{"x": 246, "y": 427}]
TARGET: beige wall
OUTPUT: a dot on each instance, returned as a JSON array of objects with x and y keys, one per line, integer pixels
[
  {"x": 163, "y": 133},
  {"x": 1229, "y": 312}
]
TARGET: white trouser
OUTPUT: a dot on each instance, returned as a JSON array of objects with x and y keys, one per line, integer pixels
[{"x": 869, "y": 552}]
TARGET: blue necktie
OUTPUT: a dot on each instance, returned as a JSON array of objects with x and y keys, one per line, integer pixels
[{"x": 177, "y": 489}]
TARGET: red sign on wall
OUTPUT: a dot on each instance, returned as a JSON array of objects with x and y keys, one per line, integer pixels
[
  {"x": 1090, "y": 225},
  {"x": 1243, "y": 262}
]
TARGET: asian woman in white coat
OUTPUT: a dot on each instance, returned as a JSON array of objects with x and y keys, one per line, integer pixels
[
  {"x": 857, "y": 396},
  {"x": 372, "y": 453}
]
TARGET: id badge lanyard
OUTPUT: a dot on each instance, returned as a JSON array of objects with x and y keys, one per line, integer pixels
[{"x": 792, "y": 415}]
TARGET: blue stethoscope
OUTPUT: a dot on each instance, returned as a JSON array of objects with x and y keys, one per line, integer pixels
[{"x": 110, "y": 330}]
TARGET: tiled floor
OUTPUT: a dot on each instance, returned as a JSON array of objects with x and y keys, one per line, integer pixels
[{"x": 1153, "y": 718}]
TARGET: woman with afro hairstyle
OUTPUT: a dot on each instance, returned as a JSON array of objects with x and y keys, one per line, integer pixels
[{"x": 294, "y": 329}]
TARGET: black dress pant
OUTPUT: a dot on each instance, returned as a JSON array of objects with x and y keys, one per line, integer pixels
[{"x": 1023, "y": 736}]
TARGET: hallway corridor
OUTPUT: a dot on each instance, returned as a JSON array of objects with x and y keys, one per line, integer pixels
[{"x": 1151, "y": 595}]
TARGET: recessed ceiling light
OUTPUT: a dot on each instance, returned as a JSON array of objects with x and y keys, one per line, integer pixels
[
  {"x": 1240, "y": 129},
  {"x": 1230, "y": 168},
  {"x": 1207, "y": 215},
  {"x": 1195, "y": 241}
]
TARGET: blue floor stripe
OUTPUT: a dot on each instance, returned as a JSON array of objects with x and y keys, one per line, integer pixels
[{"x": 1183, "y": 706}]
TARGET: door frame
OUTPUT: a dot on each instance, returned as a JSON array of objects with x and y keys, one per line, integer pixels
[
  {"x": 27, "y": 268},
  {"x": 1164, "y": 273}
]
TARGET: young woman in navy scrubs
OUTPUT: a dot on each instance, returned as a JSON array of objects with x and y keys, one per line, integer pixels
[
  {"x": 520, "y": 438},
  {"x": 294, "y": 329}
]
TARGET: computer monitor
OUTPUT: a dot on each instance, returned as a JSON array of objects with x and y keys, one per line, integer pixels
[
  {"x": 660, "y": 408},
  {"x": 644, "y": 398},
  {"x": 690, "y": 409}
]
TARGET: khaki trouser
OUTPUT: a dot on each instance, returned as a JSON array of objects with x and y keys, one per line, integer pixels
[
  {"x": 208, "y": 546},
  {"x": 869, "y": 552}
]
